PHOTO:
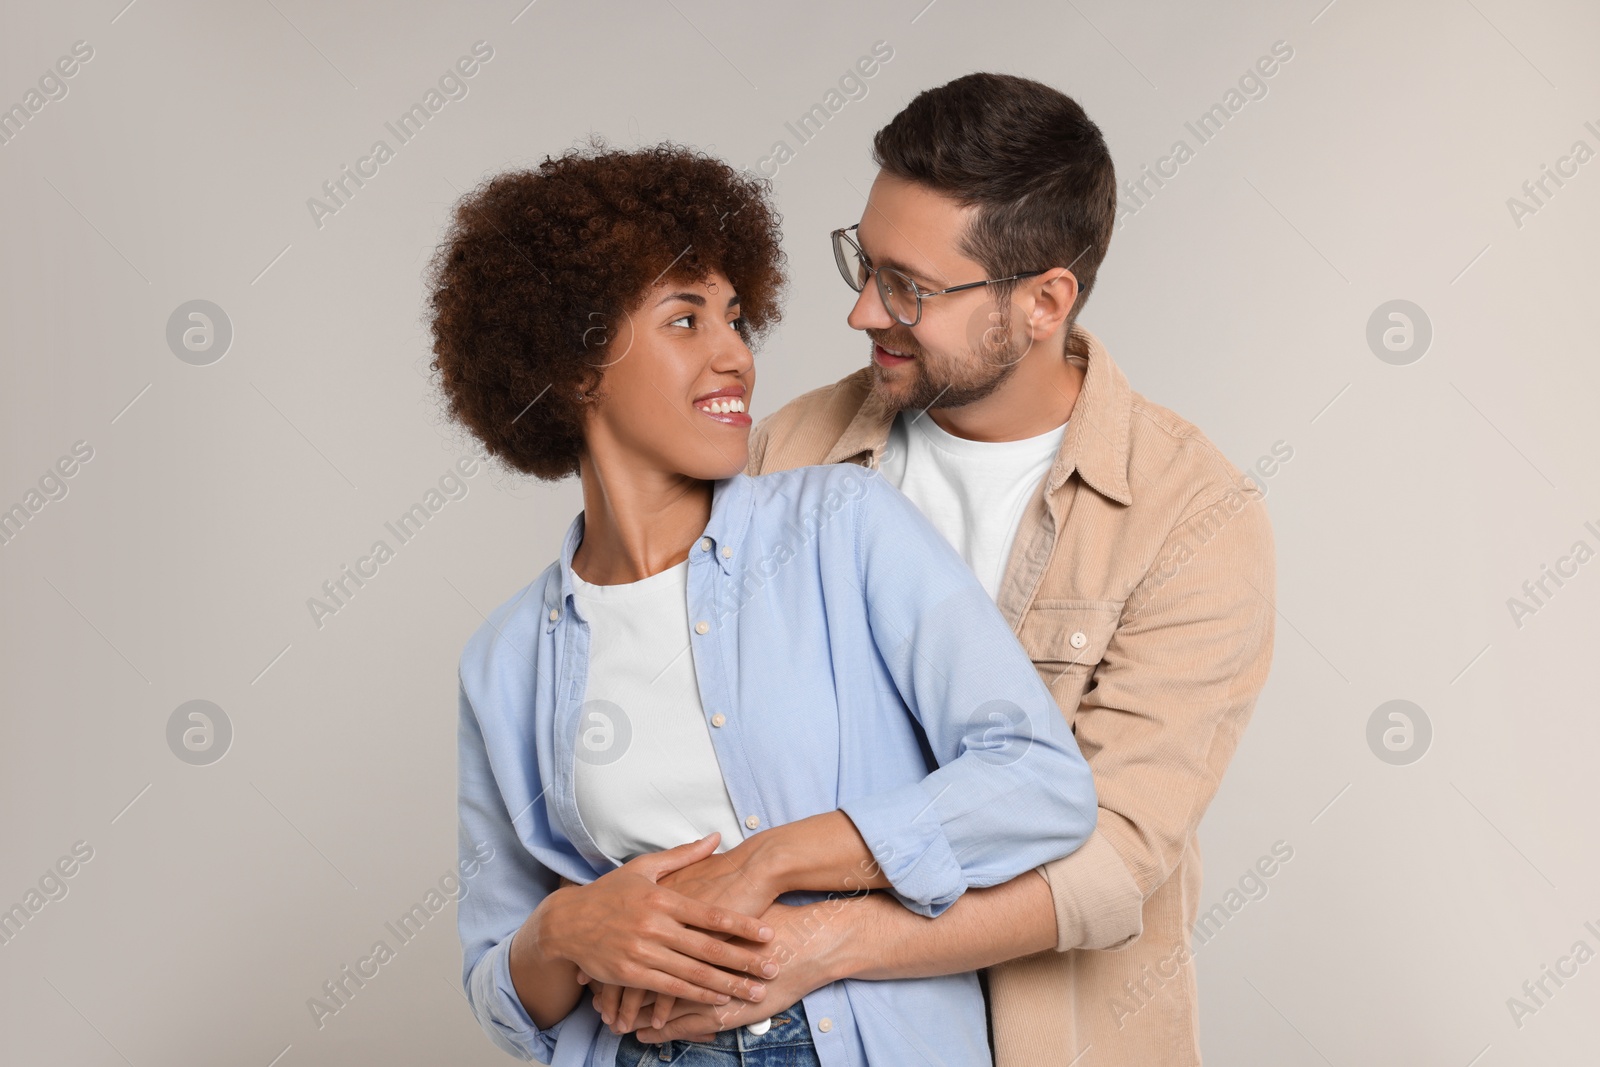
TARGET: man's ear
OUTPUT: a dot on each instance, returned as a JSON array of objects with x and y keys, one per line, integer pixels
[{"x": 1052, "y": 302}]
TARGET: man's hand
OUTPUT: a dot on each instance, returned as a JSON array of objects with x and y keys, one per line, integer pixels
[
  {"x": 627, "y": 927},
  {"x": 805, "y": 943}
]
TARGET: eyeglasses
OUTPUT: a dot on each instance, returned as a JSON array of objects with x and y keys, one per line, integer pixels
[{"x": 900, "y": 294}]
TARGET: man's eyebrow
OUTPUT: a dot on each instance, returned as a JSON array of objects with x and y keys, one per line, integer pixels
[
  {"x": 894, "y": 264},
  {"x": 913, "y": 273}
]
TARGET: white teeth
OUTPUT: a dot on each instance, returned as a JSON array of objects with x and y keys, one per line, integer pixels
[{"x": 724, "y": 407}]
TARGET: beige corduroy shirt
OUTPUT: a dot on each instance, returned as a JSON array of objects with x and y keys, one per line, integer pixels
[{"x": 1141, "y": 582}]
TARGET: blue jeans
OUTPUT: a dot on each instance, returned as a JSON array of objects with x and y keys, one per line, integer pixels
[{"x": 787, "y": 1044}]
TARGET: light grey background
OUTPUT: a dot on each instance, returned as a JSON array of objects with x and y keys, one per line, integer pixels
[{"x": 219, "y": 498}]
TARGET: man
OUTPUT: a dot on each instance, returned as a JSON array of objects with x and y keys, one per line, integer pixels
[{"x": 1134, "y": 562}]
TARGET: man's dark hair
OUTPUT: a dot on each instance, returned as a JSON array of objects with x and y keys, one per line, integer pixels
[{"x": 1030, "y": 159}]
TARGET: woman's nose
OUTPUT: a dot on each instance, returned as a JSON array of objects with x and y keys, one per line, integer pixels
[{"x": 733, "y": 355}]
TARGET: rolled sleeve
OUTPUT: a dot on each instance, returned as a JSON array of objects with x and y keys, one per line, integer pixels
[
  {"x": 1098, "y": 905},
  {"x": 1012, "y": 790},
  {"x": 502, "y": 884},
  {"x": 500, "y": 1012},
  {"x": 1164, "y": 712},
  {"x": 907, "y": 840}
]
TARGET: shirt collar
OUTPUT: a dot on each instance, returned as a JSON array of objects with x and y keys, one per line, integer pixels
[
  {"x": 1096, "y": 441},
  {"x": 1095, "y": 444},
  {"x": 722, "y": 540}
]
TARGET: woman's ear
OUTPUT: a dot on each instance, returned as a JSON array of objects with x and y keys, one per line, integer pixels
[{"x": 588, "y": 385}]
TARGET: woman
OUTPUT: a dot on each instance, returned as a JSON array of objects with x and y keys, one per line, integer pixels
[{"x": 722, "y": 705}]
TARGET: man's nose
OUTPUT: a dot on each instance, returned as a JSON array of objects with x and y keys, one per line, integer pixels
[{"x": 869, "y": 312}]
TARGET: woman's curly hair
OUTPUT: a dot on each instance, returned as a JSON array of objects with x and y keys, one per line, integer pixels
[{"x": 539, "y": 267}]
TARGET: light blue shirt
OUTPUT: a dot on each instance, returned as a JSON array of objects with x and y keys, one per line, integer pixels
[{"x": 857, "y": 664}]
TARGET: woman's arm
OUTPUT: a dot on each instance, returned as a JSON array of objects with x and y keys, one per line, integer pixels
[
  {"x": 547, "y": 985},
  {"x": 521, "y": 977},
  {"x": 500, "y": 880},
  {"x": 1012, "y": 791}
]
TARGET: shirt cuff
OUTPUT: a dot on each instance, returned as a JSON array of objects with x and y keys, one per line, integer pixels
[
  {"x": 1098, "y": 904},
  {"x": 903, "y": 832},
  {"x": 500, "y": 1012}
]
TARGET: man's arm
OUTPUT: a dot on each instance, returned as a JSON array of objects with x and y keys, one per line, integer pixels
[
  {"x": 877, "y": 938},
  {"x": 872, "y": 937},
  {"x": 1164, "y": 713},
  {"x": 866, "y": 936}
]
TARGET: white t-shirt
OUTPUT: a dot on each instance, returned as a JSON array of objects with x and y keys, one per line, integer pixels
[
  {"x": 646, "y": 777},
  {"x": 974, "y": 491}
]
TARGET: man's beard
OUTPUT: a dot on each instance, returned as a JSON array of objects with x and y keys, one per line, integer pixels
[{"x": 944, "y": 381}]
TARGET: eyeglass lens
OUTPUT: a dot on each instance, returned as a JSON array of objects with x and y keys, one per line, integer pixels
[{"x": 898, "y": 293}]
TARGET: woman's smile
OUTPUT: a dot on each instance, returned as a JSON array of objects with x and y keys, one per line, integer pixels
[{"x": 724, "y": 405}]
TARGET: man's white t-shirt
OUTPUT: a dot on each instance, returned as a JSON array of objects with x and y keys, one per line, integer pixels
[
  {"x": 974, "y": 491},
  {"x": 646, "y": 777}
]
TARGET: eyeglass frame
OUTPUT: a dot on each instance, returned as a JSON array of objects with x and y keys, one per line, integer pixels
[{"x": 916, "y": 291}]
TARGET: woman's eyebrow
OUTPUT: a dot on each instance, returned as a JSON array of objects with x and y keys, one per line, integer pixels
[
  {"x": 689, "y": 298},
  {"x": 694, "y": 298}
]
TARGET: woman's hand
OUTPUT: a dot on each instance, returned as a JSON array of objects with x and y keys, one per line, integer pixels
[
  {"x": 732, "y": 879},
  {"x": 738, "y": 879},
  {"x": 628, "y": 928},
  {"x": 804, "y": 934}
]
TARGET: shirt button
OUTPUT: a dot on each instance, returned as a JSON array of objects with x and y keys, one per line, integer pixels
[
  {"x": 705, "y": 544},
  {"x": 753, "y": 821},
  {"x": 718, "y": 719},
  {"x": 702, "y": 627},
  {"x": 825, "y": 1024},
  {"x": 727, "y": 553},
  {"x": 1078, "y": 640},
  {"x": 554, "y": 614},
  {"x": 759, "y": 1028}
]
